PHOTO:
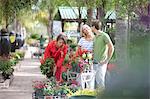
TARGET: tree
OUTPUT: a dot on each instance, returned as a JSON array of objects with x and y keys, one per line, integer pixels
[
  {"x": 10, "y": 9},
  {"x": 7, "y": 11},
  {"x": 51, "y": 7}
]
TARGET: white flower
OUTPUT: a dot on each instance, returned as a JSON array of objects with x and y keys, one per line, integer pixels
[{"x": 89, "y": 55}]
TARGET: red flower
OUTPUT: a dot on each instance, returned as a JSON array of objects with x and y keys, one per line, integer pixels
[{"x": 38, "y": 85}]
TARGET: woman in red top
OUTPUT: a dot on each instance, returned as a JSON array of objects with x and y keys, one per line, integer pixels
[{"x": 57, "y": 49}]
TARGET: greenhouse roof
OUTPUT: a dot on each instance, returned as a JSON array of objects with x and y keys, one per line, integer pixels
[{"x": 73, "y": 13}]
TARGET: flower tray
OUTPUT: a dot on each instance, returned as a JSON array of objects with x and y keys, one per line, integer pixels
[{"x": 48, "y": 97}]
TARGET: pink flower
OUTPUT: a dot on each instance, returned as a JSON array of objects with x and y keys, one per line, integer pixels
[
  {"x": 74, "y": 83},
  {"x": 38, "y": 85}
]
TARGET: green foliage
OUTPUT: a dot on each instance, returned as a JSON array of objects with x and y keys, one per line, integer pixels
[
  {"x": 52, "y": 89},
  {"x": 15, "y": 57},
  {"x": 14, "y": 61},
  {"x": 47, "y": 67},
  {"x": 83, "y": 3},
  {"x": 75, "y": 66},
  {"x": 8, "y": 72},
  {"x": 73, "y": 46},
  {"x": 51, "y": 6},
  {"x": 42, "y": 17},
  {"x": 11, "y": 7},
  {"x": 66, "y": 60},
  {"x": 35, "y": 36},
  {"x": 127, "y": 7},
  {"x": 20, "y": 53},
  {"x": 57, "y": 17},
  {"x": 5, "y": 65}
]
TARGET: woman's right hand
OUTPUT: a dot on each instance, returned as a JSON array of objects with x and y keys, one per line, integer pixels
[{"x": 62, "y": 53}]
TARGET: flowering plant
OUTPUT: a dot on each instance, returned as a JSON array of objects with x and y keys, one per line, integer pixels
[
  {"x": 87, "y": 56},
  {"x": 59, "y": 89},
  {"x": 51, "y": 88},
  {"x": 38, "y": 85},
  {"x": 86, "y": 61},
  {"x": 85, "y": 92},
  {"x": 47, "y": 67}
]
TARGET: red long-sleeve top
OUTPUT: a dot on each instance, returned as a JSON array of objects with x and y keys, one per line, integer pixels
[{"x": 52, "y": 51}]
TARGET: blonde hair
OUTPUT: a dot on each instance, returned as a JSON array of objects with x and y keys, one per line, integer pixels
[{"x": 85, "y": 26}]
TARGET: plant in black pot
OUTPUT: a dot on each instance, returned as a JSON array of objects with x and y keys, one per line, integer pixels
[
  {"x": 4, "y": 44},
  {"x": 8, "y": 73},
  {"x": 47, "y": 67},
  {"x": 6, "y": 68}
]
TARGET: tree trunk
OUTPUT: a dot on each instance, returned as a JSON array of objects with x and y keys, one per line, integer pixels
[
  {"x": 7, "y": 23},
  {"x": 50, "y": 24},
  {"x": 89, "y": 16},
  {"x": 121, "y": 36},
  {"x": 17, "y": 26},
  {"x": 101, "y": 14},
  {"x": 48, "y": 29},
  {"x": 148, "y": 9},
  {"x": 121, "y": 43},
  {"x": 80, "y": 19}
]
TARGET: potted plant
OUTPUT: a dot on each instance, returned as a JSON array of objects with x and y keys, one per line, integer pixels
[
  {"x": 38, "y": 87},
  {"x": 47, "y": 67},
  {"x": 8, "y": 73},
  {"x": 6, "y": 68}
]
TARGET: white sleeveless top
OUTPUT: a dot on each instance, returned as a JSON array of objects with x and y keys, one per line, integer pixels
[{"x": 87, "y": 45}]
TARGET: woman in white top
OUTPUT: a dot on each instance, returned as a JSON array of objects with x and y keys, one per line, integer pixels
[{"x": 86, "y": 44}]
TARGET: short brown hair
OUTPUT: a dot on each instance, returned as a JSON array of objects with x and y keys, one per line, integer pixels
[
  {"x": 96, "y": 24},
  {"x": 61, "y": 37}
]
